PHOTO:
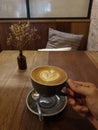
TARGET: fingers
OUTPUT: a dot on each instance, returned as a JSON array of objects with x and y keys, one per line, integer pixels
[
  {"x": 68, "y": 90},
  {"x": 77, "y": 107},
  {"x": 72, "y": 102}
]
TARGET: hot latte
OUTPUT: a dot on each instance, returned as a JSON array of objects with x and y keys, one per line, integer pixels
[{"x": 49, "y": 75}]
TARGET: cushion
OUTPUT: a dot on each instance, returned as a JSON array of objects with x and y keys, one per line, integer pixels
[
  {"x": 58, "y": 39},
  {"x": 55, "y": 49}
]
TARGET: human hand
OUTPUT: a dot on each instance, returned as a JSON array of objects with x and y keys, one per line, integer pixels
[{"x": 88, "y": 105}]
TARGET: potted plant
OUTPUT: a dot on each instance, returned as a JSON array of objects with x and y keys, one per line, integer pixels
[{"x": 21, "y": 34}]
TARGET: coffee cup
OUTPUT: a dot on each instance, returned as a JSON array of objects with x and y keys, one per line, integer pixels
[{"x": 48, "y": 80}]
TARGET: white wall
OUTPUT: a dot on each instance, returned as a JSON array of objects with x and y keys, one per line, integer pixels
[{"x": 93, "y": 33}]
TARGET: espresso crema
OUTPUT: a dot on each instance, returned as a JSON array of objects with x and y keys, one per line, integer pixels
[{"x": 48, "y": 75}]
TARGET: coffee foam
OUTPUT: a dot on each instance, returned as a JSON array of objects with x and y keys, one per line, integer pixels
[{"x": 49, "y": 75}]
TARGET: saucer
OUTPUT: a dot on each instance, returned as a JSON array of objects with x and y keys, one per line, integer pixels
[{"x": 58, "y": 106}]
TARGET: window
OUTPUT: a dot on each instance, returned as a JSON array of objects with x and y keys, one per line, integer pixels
[
  {"x": 32, "y": 9},
  {"x": 13, "y": 9}
]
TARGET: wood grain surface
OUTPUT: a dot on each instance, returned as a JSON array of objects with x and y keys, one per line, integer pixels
[
  {"x": 70, "y": 26},
  {"x": 15, "y": 85}
]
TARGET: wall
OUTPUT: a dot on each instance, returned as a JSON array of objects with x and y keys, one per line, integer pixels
[
  {"x": 93, "y": 33},
  {"x": 70, "y": 26}
]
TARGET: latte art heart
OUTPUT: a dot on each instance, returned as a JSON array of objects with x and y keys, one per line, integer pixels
[{"x": 49, "y": 75}]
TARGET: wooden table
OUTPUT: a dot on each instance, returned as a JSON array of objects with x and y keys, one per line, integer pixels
[{"x": 16, "y": 84}]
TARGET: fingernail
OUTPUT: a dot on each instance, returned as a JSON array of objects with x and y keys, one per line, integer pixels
[
  {"x": 71, "y": 102},
  {"x": 85, "y": 109}
]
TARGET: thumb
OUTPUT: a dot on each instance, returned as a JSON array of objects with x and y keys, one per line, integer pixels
[{"x": 80, "y": 87}]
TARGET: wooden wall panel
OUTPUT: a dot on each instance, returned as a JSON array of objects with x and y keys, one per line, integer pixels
[
  {"x": 81, "y": 28},
  {"x": 70, "y": 26}
]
